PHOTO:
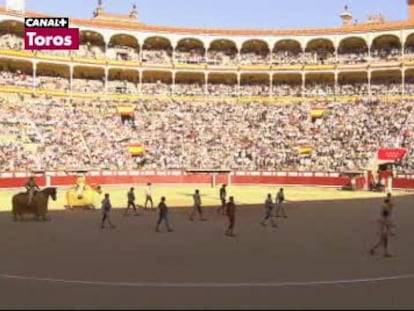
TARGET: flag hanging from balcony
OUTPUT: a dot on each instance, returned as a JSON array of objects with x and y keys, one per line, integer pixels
[
  {"x": 305, "y": 149},
  {"x": 317, "y": 113},
  {"x": 126, "y": 110},
  {"x": 136, "y": 150}
]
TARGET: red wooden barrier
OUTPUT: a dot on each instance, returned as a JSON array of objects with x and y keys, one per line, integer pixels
[{"x": 17, "y": 179}]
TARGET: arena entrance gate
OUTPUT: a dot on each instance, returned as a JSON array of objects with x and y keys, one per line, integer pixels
[{"x": 217, "y": 175}]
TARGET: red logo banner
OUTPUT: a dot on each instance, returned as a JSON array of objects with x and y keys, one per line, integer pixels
[
  {"x": 51, "y": 38},
  {"x": 391, "y": 154}
]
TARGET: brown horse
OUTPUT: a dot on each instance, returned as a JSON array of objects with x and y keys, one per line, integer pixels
[{"x": 38, "y": 206}]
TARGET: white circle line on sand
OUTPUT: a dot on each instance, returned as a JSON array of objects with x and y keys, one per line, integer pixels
[{"x": 209, "y": 285}]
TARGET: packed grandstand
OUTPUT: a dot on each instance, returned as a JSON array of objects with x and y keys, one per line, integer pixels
[{"x": 140, "y": 96}]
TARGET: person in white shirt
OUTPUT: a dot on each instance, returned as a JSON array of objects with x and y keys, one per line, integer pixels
[{"x": 148, "y": 197}]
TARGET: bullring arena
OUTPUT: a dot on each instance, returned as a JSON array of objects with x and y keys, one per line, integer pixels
[{"x": 327, "y": 114}]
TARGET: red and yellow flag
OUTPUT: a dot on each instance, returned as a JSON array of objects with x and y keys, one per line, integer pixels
[
  {"x": 305, "y": 149},
  {"x": 126, "y": 110},
  {"x": 136, "y": 150},
  {"x": 317, "y": 112}
]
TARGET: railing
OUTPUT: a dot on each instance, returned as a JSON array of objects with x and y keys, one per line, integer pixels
[
  {"x": 128, "y": 177},
  {"x": 203, "y": 66},
  {"x": 125, "y": 177}
]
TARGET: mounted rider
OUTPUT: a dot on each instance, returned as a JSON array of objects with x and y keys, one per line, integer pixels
[{"x": 31, "y": 188}]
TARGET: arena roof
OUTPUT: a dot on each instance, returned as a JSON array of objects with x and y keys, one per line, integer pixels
[{"x": 360, "y": 28}]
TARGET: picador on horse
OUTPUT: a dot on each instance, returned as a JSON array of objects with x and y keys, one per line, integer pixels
[{"x": 32, "y": 189}]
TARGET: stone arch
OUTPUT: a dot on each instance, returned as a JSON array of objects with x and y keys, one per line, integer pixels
[
  {"x": 222, "y": 51},
  {"x": 352, "y": 44}
]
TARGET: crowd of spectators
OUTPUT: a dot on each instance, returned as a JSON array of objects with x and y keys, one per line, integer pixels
[
  {"x": 409, "y": 53},
  {"x": 39, "y": 132},
  {"x": 70, "y": 134},
  {"x": 157, "y": 88},
  {"x": 386, "y": 54},
  {"x": 386, "y": 88},
  {"x": 319, "y": 89},
  {"x": 280, "y": 58},
  {"x": 409, "y": 86},
  {"x": 285, "y": 89},
  {"x": 115, "y": 85},
  {"x": 17, "y": 79},
  {"x": 122, "y": 87},
  {"x": 353, "y": 58},
  {"x": 52, "y": 83},
  {"x": 351, "y": 89},
  {"x": 194, "y": 56},
  {"x": 89, "y": 51},
  {"x": 123, "y": 53},
  {"x": 11, "y": 42},
  {"x": 190, "y": 89},
  {"x": 83, "y": 85},
  {"x": 156, "y": 57},
  {"x": 255, "y": 58},
  {"x": 224, "y": 57},
  {"x": 254, "y": 90},
  {"x": 220, "y": 89}
]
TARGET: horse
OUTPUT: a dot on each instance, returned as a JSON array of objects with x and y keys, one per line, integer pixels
[
  {"x": 38, "y": 206},
  {"x": 86, "y": 201}
]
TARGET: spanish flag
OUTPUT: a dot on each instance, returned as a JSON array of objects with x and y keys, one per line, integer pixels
[
  {"x": 317, "y": 112},
  {"x": 126, "y": 110},
  {"x": 136, "y": 150},
  {"x": 305, "y": 149}
]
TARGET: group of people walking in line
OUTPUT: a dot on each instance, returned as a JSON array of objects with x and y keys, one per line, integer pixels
[{"x": 227, "y": 208}]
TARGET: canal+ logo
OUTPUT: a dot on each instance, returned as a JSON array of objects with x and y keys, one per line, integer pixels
[{"x": 45, "y": 33}]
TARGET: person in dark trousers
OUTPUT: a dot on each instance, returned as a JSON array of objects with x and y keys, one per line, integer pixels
[
  {"x": 148, "y": 196},
  {"x": 131, "y": 202},
  {"x": 31, "y": 188},
  {"x": 389, "y": 206},
  {"x": 197, "y": 206},
  {"x": 231, "y": 215},
  {"x": 384, "y": 226},
  {"x": 268, "y": 211},
  {"x": 280, "y": 198},
  {"x": 223, "y": 195},
  {"x": 163, "y": 215},
  {"x": 106, "y": 209}
]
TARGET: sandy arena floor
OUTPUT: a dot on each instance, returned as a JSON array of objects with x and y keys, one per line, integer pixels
[{"x": 317, "y": 258}]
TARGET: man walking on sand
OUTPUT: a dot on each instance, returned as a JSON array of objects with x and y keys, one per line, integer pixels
[
  {"x": 197, "y": 206},
  {"x": 106, "y": 209},
  {"x": 148, "y": 197},
  {"x": 163, "y": 216},
  {"x": 280, "y": 198},
  {"x": 384, "y": 232},
  {"x": 131, "y": 202},
  {"x": 223, "y": 195},
  {"x": 268, "y": 211},
  {"x": 231, "y": 215}
]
